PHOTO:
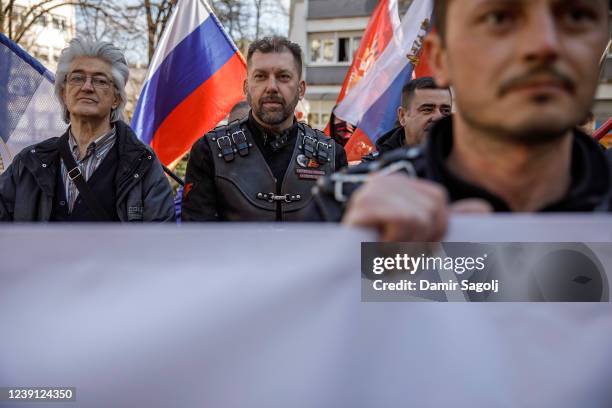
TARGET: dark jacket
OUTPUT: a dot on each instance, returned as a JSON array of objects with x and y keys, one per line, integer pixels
[
  {"x": 590, "y": 189},
  {"x": 205, "y": 199},
  {"x": 142, "y": 190},
  {"x": 394, "y": 139}
]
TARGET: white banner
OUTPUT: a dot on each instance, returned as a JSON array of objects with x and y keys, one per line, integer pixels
[{"x": 270, "y": 316}]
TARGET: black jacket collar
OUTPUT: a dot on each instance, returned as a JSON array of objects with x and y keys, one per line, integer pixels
[
  {"x": 42, "y": 159},
  {"x": 391, "y": 140},
  {"x": 590, "y": 187},
  {"x": 264, "y": 137}
]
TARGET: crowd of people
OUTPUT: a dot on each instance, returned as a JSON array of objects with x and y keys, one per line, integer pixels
[{"x": 523, "y": 77}]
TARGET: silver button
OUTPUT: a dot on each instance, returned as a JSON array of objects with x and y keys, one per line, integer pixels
[
  {"x": 136, "y": 175},
  {"x": 44, "y": 165},
  {"x": 33, "y": 151}
]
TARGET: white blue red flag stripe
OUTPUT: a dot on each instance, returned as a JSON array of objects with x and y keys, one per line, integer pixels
[
  {"x": 194, "y": 79},
  {"x": 372, "y": 104},
  {"x": 29, "y": 111}
]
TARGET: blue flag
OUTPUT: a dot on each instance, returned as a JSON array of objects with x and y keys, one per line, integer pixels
[{"x": 29, "y": 112}]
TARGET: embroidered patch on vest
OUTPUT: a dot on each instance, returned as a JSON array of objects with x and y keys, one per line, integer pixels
[
  {"x": 305, "y": 162},
  {"x": 302, "y": 160},
  {"x": 313, "y": 164},
  {"x": 309, "y": 174}
]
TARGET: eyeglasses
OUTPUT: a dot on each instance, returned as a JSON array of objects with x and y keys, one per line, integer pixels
[{"x": 98, "y": 81}]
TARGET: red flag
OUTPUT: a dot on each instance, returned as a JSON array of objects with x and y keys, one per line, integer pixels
[
  {"x": 359, "y": 143},
  {"x": 377, "y": 35}
]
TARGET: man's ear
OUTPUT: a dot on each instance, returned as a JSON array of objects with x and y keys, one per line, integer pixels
[
  {"x": 244, "y": 87},
  {"x": 438, "y": 61},
  {"x": 400, "y": 116},
  {"x": 301, "y": 89}
]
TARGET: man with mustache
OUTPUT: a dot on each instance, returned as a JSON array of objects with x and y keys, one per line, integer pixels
[
  {"x": 524, "y": 75},
  {"x": 263, "y": 167},
  {"x": 423, "y": 103}
]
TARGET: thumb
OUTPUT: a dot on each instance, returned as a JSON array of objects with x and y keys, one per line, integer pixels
[{"x": 471, "y": 206}]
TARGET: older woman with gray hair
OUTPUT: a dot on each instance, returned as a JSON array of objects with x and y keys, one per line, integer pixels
[{"x": 98, "y": 170}]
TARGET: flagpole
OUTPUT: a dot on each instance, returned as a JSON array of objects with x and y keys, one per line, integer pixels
[
  {"x": 173, "y": 175},
  {"x": 602, "y": 60},
  {"x": 605, "y": 53}
]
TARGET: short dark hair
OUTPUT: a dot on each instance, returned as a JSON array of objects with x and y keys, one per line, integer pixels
[
  {"x": 419, "y": 83},
  {"x": 277, "y": 44},
  {"x": 440, "y": 9}
]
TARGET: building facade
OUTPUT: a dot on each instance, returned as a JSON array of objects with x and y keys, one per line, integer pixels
[{"x": 49, "y": 32}]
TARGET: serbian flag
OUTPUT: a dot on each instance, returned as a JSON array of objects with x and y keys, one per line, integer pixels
[
  {"x": 371, "y": 105},
  {"x": 194, "y": 80},
  {"x": 379, "y": 31},
  {"x": 29, "y": 111}
]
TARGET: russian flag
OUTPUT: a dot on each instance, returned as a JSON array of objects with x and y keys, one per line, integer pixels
[
  {"x": 372, "y": 104},
  {"x": 194, "y": 80},
  {"x": 29, "y": 111}
]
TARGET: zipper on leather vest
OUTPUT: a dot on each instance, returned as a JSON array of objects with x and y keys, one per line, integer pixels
[{"x": 279, "y": 208}]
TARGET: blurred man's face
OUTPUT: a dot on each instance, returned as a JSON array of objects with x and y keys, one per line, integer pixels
[
  {"x": 424, "y": 108},
  {"x": 273, "y": 88},
  {"x": 526, "y": 70}
]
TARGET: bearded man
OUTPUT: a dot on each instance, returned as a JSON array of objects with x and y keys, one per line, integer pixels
[{"x": 263, "y": 167}]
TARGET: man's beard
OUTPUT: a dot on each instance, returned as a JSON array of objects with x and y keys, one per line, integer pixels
[{"x": 274, "y": 117}]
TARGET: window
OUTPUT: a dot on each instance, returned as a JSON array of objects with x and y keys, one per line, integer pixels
[
  {"x": 313, "y": 119},
  {"x": 315, "y": 50},
  {"x": 325, "y": 119},
  {"x": 333, "y": 48},
  {"x": 344, "y": 50},
  {"x": 356, "y": 42},
  {"x": 328, "y": 50},
  {"x": 40, "y": 21},
  {"x": 59, "y": 23}
]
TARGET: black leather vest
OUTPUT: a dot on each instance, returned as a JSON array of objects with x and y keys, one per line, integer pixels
[{"x": 246, "y": 187}]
